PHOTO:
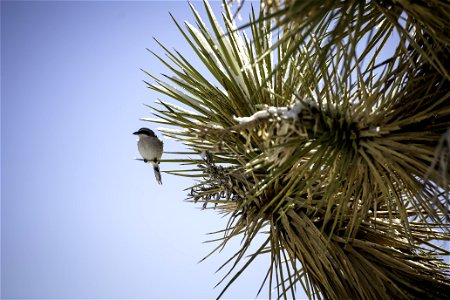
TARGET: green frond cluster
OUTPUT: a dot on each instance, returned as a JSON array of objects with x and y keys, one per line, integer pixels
[
  {"x": 308, "y": 134},
  {"x": 422, "y": 25}
]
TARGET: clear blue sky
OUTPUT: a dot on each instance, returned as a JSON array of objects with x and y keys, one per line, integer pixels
[{"x": 79, "y": 217}]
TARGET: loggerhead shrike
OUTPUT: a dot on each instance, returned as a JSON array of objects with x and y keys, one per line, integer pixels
[{"x": 151, "y": 149}]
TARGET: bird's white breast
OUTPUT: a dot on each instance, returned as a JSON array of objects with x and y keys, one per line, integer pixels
[{"x": 150, "y": 147}]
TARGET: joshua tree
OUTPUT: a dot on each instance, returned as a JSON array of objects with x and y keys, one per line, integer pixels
[{"x": 326, "y": 129}]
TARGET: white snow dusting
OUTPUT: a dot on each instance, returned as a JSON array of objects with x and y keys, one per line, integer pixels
[
  {"x": 176, "y": 107},
  {"x": 173, "y": 131},
  {"x": 154, "y": 120},
  {"x": 284, "y": 112}
]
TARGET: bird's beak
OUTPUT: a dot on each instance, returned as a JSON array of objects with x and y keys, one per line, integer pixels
[{"x": 136, "y": 132}]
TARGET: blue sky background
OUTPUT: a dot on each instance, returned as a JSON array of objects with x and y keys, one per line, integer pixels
[{"x": 79, "y": 217}]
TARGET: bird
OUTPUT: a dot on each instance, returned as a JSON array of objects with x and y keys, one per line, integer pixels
[{"x": 151, "y": 149}]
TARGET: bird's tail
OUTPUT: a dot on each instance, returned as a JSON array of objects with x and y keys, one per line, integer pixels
[{"x": 157, "y": 172}]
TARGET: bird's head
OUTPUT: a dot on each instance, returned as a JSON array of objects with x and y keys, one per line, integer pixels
[{"x": 144, "y": 131}]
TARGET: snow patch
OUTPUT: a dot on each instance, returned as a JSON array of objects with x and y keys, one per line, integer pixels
[
  {"x": 284, "y": 112},
  {"x": 172, "y": 131}
]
